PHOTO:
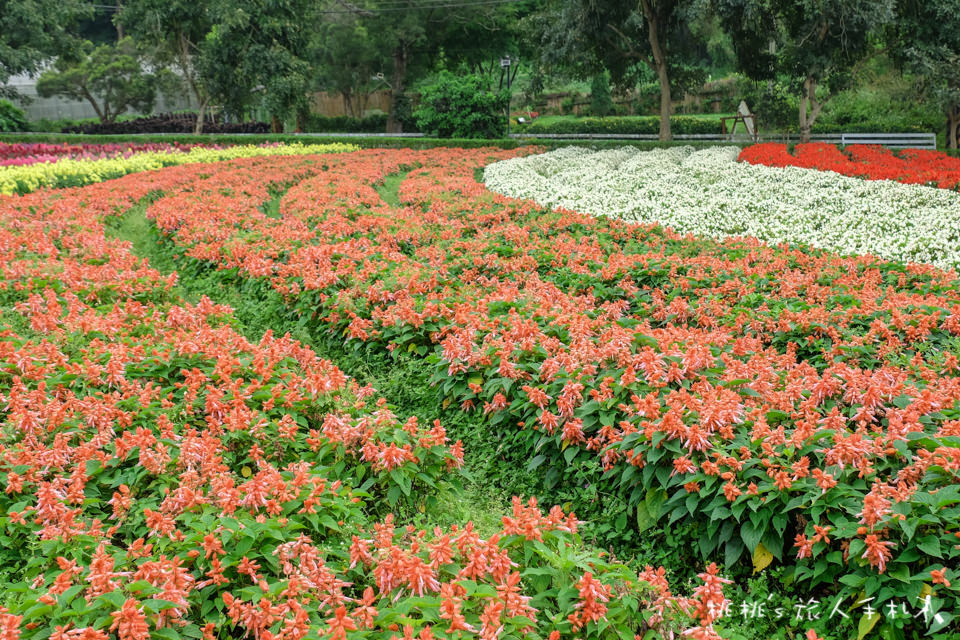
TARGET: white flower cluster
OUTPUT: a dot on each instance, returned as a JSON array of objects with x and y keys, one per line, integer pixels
[{"x": 709, "y": 193}]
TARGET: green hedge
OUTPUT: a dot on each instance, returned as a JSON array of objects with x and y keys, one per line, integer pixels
[
  {"x": 11, "y": 117},
  {"x": 362, "y": 141},
  {"x": 626, "y": 125},
  {"x": 346, "y": 124},
  {"x": 877, "y": 126}
]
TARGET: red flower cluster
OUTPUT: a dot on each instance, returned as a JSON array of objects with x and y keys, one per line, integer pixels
[
  {"x": 163, "y": 476},
  {"x": 19, "y": 153},
  {"x": 767, "y": 393},
  {"x": 910, "y": 166}
]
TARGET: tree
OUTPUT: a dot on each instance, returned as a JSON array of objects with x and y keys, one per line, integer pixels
[
  {"x": 926, "y": 39},
  {"x": 815, "y": 43},
  {"x": 110, "y": 77},
  {"x": 587, "y": 36},
  {"x": 176, "y": 30},
  {"x": 32, "y": 31},
  {"x": 601, "y": 104},
  {"x": 461, "y": 107},
  {"x": 347, "y": 58},
  {"x": 256, "y": 47},
  {"x": 410, "y": 38}
]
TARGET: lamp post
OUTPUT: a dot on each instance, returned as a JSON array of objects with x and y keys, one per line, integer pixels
[{"x": 505, "y": 64}]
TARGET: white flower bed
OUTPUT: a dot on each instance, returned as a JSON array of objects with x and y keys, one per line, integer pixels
[{"x": 709, "y": 193}]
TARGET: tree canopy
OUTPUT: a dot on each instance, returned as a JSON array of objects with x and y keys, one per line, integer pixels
[
  {"x": 815, "y": 44},
  {"x": 175, "y": 31},
  {"x": 110, "y": 77},
  {"x": 32, "y": 31},
  {"x": 246, "y": 57},
  {"x": 926, "y": 39}
]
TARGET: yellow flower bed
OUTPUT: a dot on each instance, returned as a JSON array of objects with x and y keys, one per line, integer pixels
[{"x": 76, "y": 173}]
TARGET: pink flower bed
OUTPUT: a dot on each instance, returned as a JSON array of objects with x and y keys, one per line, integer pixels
[{"x": 20, "y": 154}]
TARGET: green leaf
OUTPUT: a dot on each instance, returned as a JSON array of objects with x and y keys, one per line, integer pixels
[
  {"x": 940, "y": 621},
  {"x": 900, "y": 571},
  {"x": 621, "y": 522},
  {"x": 866, "y": 625},
  {"x": 644, "y": 519},
  {"x": 166, "y": 632},
  {"x": 536, "y": 462},
  {"x": 654, "y": 501},
  {"x": 751, "y": 534},
  {"x": 931, "y": 546},
  {"x": 393, "y": 495},
  {"x": 909, "y": 527}
]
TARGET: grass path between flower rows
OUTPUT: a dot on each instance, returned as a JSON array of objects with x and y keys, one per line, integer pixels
[
  {"x": 402, "y": 379},
  {"x": 403, "y": 383}
]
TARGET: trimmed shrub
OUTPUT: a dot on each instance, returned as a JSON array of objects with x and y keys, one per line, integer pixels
[
  {"x": 454, "y": 106},
  {"x": 167, "y": 123},
  {"x": 346, "y": 124},
  {"x": 601, "y": 104},
  {"x": 11, "y": 118},
  {"x": 627, "y": 125}
]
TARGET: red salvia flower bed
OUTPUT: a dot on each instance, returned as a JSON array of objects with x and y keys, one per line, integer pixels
[
  {"x": 789, "y": 401},
  {"x": 164, "y": 476},
  {"x": 910, "y": 166}
]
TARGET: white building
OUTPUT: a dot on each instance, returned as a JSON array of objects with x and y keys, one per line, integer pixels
[{"x": 57, "y": 108}]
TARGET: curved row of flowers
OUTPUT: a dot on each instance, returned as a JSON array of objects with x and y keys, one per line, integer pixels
[
  {"x": 709, "y": 193},
  {"x": 27, "y": 153},
  {"x": 73, "y": 172},
  {"x": 164, "y": 477},
  {"x": 910, "y": 166},
  {"x": 768, "y": 394}
]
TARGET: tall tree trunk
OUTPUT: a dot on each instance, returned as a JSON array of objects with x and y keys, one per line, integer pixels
[
  {"x": 804, "y": 128},
  {"x": 658, "y": 49},
  {"x": 397, "y": 86},
  {"x": 953, "y": 127},
  {"x": 96, "y": 107},
  {"x": 348, "y": 103},
  {"x": 276, "y": 126},
  {"x": 363, "y": 99},
  {"x": 118, "y": 7},
  {"x": 201, "y": 108},
  {"x": 666, "y": 103},
  {"x": 186, "y": 67},
  {"x": 809, "y": 108}
]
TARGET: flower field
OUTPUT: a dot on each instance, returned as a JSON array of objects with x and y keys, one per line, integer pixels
[
  {"x": 22, "y": 154},
  {"x": 72, "y": 172},
  {"x": 709, "y": 193},
  {"x": 166, "y": 476},
  {"x": 909, "y": 166}
]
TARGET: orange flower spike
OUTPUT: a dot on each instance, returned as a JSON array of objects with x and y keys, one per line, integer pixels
[
  {"x": 593, "y": 595},
  {"x": 212, "y": 546},
  {"x": 821, "y": 534},
  {"x": 491, "y": 626},
  {"x": 451, "y": 603},
  {"x": 129, "y": 622},
  {"x": 366, "y": 612},
  {"x": 877, "y": 552},
  {"x": 340, "y": 623},
  {"x": 939, "y": 576}
]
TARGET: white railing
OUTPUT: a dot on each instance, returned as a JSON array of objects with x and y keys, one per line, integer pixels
[{"x": 896, "y": 140}]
